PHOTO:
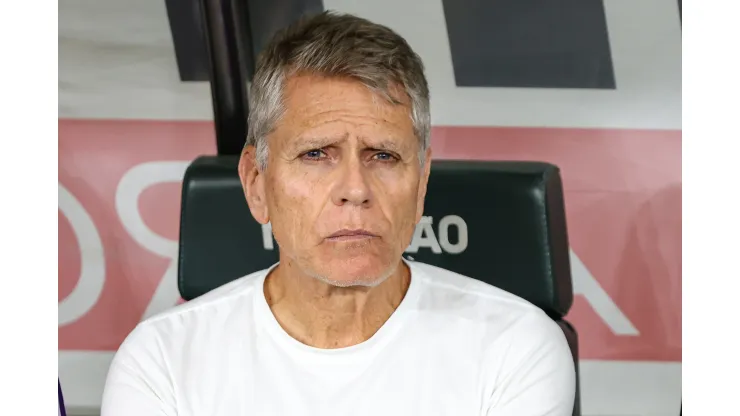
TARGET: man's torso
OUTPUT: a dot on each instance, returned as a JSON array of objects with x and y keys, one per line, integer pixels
[{"x": 445, "y": 351}]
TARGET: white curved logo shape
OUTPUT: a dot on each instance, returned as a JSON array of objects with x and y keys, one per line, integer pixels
[
  {"x": 92, "y": 263},
  {"x": 133, "y": 183}
]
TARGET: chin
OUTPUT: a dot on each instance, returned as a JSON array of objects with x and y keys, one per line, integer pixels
[{"x": 367, "y": 272}]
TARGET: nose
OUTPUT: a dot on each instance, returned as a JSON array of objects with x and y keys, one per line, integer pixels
[{"x": 352, "y": 184}]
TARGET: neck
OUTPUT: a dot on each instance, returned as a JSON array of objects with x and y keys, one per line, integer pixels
[{"x": 325, "y": 316}]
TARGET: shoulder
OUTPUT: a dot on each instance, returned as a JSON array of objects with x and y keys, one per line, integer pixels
[
  {"x": 465, "y": 295},
  {"x": 160, "y": 350},
  {"x": 483, "y": 313},
  {"x": 190, "y": 321},
  {"x": 524, "y": 359}
]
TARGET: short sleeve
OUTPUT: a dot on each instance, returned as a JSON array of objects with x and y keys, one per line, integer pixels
[
  {"x": 138, "y": 382},
  {"x": 536, "y": 374}
]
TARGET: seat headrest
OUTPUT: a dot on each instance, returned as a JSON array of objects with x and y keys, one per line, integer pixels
[{"x": 499, "y": 222}]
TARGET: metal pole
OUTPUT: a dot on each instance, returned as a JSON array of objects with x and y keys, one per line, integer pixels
[{"x": 225, "y": 24}]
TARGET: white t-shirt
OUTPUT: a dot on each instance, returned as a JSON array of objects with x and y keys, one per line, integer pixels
[{"x": 455, "y": 346}]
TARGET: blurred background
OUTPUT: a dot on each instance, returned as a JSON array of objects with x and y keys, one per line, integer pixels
[{"x": 593, "y": 86}]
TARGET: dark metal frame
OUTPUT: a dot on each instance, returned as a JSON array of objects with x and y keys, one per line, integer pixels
[
  {"x": 230, "y": 63},
  {"x": 186, "y": 27},
  {"x": 218, "y": 41}
]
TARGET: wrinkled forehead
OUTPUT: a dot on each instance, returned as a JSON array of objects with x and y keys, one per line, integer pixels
[{"x": 321, "y": 109}]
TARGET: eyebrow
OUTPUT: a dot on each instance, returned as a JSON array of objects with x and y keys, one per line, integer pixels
[
  {"x": 302, "y": 144},
  {"x": 390, "y": 145},
  {"x": 308, "y": 143}
]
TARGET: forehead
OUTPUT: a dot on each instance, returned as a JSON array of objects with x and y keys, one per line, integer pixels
[{"x": 317, "y": 106}]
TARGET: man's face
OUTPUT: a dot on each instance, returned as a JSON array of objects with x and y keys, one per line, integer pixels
[{"x": 343, "y": 189}]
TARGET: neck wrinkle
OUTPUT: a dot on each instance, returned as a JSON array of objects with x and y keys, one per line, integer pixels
[{"x": 328, "y": 317}]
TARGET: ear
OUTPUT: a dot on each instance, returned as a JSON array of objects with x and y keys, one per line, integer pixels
[
  {"x": 253, "y": 183},
  {"x": 423, "y": 181}
]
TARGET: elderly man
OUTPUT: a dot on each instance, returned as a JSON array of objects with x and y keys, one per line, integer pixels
[{"x": 337, "y": 160}]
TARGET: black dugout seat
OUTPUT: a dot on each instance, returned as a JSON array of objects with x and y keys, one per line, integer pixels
[{"x": 499, "y": 222}]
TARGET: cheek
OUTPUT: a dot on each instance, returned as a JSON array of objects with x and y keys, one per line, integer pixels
[
  {"x": 405, "y": 224},
  {"x": 399, "y": 197},
  {"x": 292, "y": 207}
]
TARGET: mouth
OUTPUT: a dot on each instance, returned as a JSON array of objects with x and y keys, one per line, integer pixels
[{"x": 350, "y": 235}]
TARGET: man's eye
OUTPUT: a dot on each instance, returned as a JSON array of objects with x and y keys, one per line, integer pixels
[
  {"x": 384, "y": 156},
  {"x": 314, "y": 154}
]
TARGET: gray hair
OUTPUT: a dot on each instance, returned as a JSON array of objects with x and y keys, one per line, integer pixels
[{"x": 337, "y": 45}]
